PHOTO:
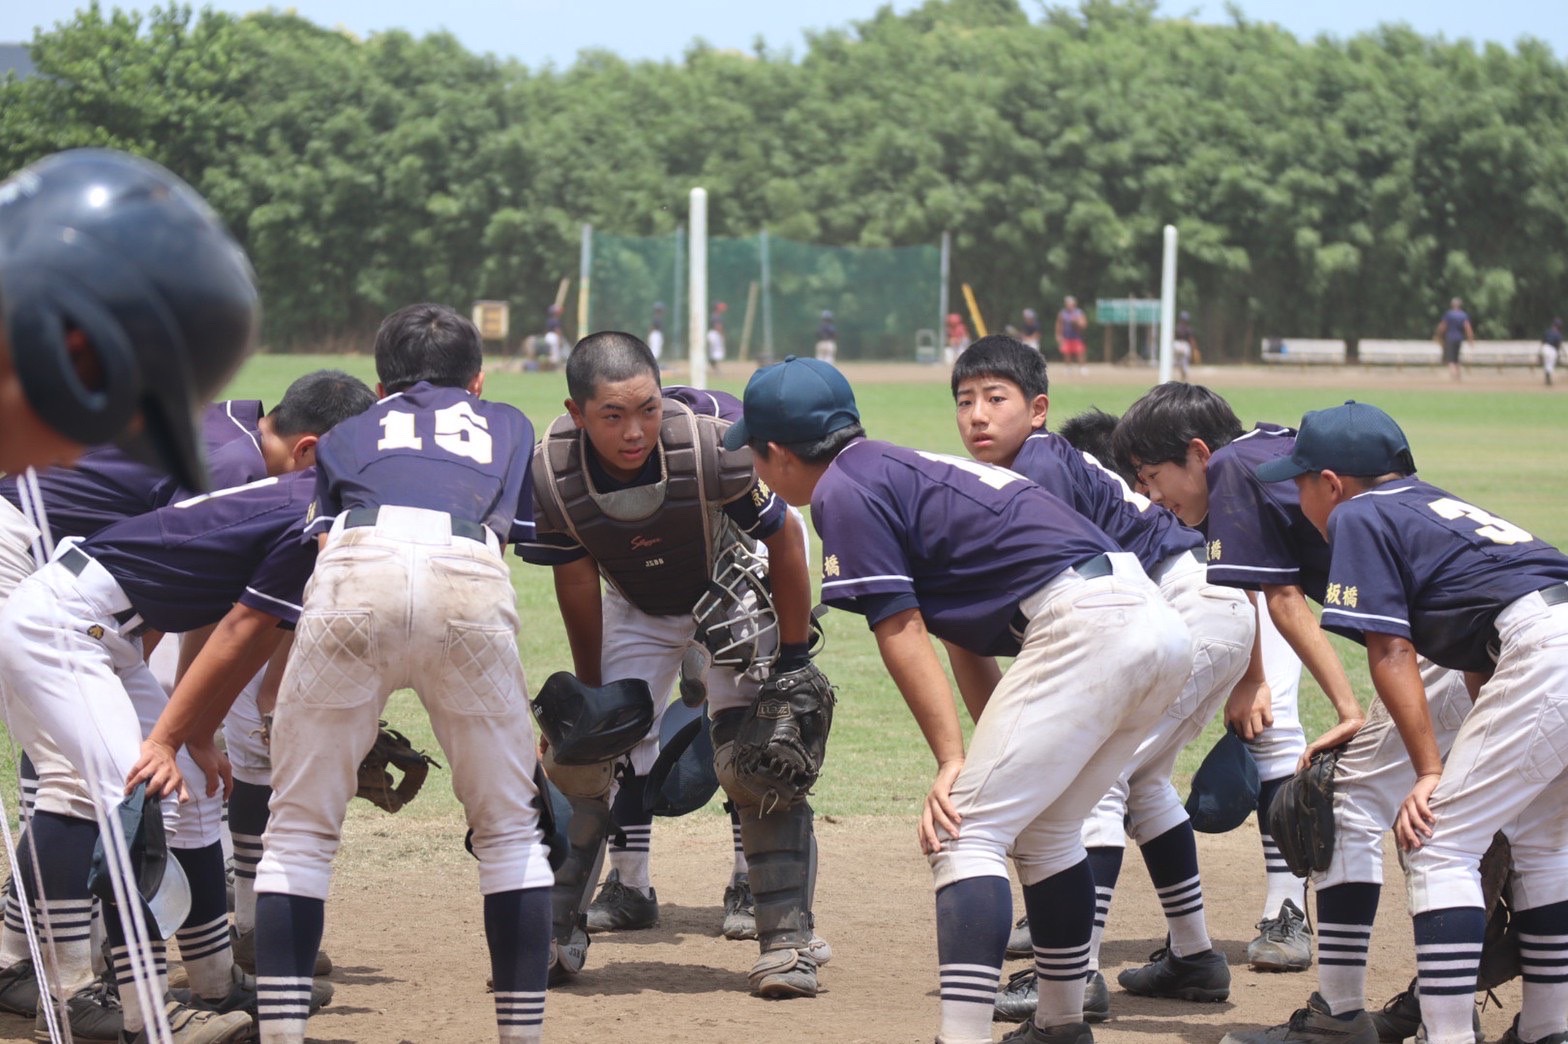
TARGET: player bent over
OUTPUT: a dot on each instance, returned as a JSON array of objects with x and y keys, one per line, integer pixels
[
  {"x": 71, "y": 632},
  {"x": 1187, "y": 448},
  {"x": 1416, "y": 571},
  {"x": 634, "y": 487},
  {"x": 412, "y": 500},
  {"x": 1000, "y": 389},
  {"x": 924, "y": 544}
]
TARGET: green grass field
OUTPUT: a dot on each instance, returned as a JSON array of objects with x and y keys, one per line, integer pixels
[
  {"x": 1490, "y": 446},
  {"x": 1493, "y": 447}
]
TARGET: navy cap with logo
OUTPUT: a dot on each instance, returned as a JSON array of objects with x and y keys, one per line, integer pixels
[
  {"x": 1353, "y": 439},
  {"x": 797, "y": 400}
]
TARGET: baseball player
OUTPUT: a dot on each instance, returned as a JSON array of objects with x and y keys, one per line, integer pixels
[
  {"x": 1417, "y": 571},
  {"x": 72, "y": 631},
  {"x": 1188, "y": 449},
  {"x": 413, "y": 501},
  {"x": 634, "y": 489},
  {"x": 925, "y": 544},
  {"x": 125, "y": 305},
  {"x": 1000, "y": 389},
  {"x": 104, "y": 487}
]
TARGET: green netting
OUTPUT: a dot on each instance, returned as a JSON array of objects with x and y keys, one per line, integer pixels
[{"x": 880, "y": 297}]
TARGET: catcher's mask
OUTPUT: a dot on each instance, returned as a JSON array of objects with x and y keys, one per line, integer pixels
[
  {"x": 683, "y": 778},
  {"x": 1225, "y": 787},
  {"x": 735, "y": 617},
  {"x": 160, "y": 882},
  {"x": 586, "y": 725}
]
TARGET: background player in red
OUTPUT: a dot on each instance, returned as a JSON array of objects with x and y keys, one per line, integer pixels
[
  {"x": 1099, "y": 657},
  {"x": 1070, "y": 326}
]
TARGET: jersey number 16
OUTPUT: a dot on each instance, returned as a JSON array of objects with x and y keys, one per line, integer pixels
[{"x": 458, "y": 430}]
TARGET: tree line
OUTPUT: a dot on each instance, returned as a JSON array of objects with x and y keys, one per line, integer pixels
[{"x": 1331, "y": 187}]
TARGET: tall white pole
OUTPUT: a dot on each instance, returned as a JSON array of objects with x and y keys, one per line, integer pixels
[
  {"x": 584, "y": 287},
  {"x": 697, "y": 311},
  {"x": 1167, "y": 303}
]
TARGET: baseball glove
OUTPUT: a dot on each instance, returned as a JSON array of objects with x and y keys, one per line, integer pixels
[
  {"x": 1500, "y": 947},
  {"x": 1301, "y": 816},
  {"x": 392, "y": 751},
  {"x": 779, "y": 749}
]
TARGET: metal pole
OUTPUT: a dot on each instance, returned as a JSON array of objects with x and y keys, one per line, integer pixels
[
  {"x": 697, "y": 312},
  {"x": 767, "y": 300},
  {"x": 674, "y": 340},
  {"x": 941, "y": 295},
  {"x": 1167, "y": 303},
  {"x": 584, "y": 272}
]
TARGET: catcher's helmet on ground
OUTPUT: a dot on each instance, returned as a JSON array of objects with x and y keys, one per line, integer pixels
[
  {"x": 1225, "y": 787},
  {"x": 586, "y": 725},
  {"x": 735, "y": 617},
  {"x": 683, "y": 778},
  {"x": 159, "y": 881},
  {"x": 123, "y": 251}
]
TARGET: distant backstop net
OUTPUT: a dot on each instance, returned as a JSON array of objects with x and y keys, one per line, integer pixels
[{"x": 775, "y": 291}]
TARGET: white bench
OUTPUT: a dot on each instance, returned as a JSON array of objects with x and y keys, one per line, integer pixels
[
  {"x": 1372, "y": 352},
  {"x": 1501, "y": 353},
  {"x": 1303, "y": 351}
]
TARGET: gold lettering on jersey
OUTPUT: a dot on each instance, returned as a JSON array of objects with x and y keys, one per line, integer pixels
[
  {"x": 1350, "y": 595},
  {"x": 310, "y": 513},
  {"x": 760, "y": 494},
  {"x": 830, "y": 566},
  {"x": 1214, "y": 550},
  {"x": 1331, "y": 595}
]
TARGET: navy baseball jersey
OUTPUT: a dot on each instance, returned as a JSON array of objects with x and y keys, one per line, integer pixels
[
  {"x": 184, "y": 566},
  {"x": 1412, "y": 561},
  {"x": 106, "y": 485},
  {"x": 1553, "y": 337},
  {"x": 964, "y": 542},
  {"x": 1256, "y": 531},
  {"x": 430, "y": 447},
  {"x": 1128, "y": 518},
  {"x": 1454, "y": 321},
  {"x": 706, "y": 403}
]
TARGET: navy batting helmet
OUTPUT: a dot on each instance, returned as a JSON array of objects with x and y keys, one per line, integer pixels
[
  {"x": 125, "y": 252},
  {"x": 585, "y": 725}
]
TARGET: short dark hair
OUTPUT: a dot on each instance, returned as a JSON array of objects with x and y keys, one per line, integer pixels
[
  {"x": 427, "y": 342},
  {"x": 609, "y": 355},
  {"x": 1158, "y": 427},
  {"x": 1090, "y": 432},
  {"x": 817, "y": 451},
  {"x": 1004, "y": 357},
  {"x": 317, "y": 401}
]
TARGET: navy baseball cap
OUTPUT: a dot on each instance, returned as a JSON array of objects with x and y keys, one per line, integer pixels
[
  {"x": 797, "y": 400},
  {"x": 1225, "y": 787},
  {"x": 1353, "y": 439}
]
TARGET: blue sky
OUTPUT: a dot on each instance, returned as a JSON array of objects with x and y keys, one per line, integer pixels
[{"x": 537, "y": 32}]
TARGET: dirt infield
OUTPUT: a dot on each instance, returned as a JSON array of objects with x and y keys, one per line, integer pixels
[{"x": 405, "y": 930}]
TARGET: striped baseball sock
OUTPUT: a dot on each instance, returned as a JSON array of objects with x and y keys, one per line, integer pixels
[
  {"x": 741, "y": 867},
  {"x": 247, "y": 822},
  {"x": 1061, "y": 920},
  {"x": 1172, "y": 860},
  {"x": 28, "y": 776},
  {"x": 1448, "y": 953},
  {"x": 204, "y": 937},
  {"x": 288, "y": 934},
  {"x": 1543, "y": 959},
  {"x": 124, "y": 976},
  {"x": 517, "y": 928},
  {"x": 1345, "y": 916},
  {"x": 973, "y": 919},
  {"x": 13, "y": 941},
  {"x": 65, "y": 850},
  {"x": 1280, "y": 883},
  {"x": 630, "y": 843},
  {"x": 1106, "y": 866}
]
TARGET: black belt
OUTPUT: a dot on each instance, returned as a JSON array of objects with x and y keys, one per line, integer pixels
[
  {"x": 77, "y": 561},
  {"x": 366, "y": 516},
  {"x": 1557, "y": 594},
  {"x": 1198, "y": 554},
  {"x": 1088, "y": 569}
]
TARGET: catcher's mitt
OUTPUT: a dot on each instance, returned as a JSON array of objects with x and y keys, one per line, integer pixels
[
  {"x": 1500, "y": 948},
  {"x": 1301, "y": 816},
  {"x": 779, "y": 749},
  {"x": 392, "y": 751}
]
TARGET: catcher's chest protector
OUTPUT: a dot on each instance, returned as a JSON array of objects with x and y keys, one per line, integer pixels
[{"x": 654, "y": 543}]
